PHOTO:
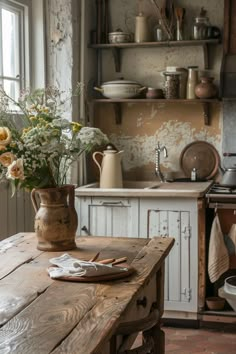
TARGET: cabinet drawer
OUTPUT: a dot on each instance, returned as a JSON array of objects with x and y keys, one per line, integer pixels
[
  {"x": 142, "y": 304},
  {"x": 109, "y": 202}
]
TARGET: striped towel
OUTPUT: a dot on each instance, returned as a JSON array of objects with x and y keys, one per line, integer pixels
[{"x": 218, "y": 257}]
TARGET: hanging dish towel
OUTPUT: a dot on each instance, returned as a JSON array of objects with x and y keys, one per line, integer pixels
[
  {"x": 218, "y": 258},
  {"x": 232, "y": 238}
]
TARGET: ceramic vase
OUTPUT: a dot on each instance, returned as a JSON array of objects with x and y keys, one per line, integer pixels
[
  {"x": 206, "y": 88},
  {"x": 56, "y": 218}
]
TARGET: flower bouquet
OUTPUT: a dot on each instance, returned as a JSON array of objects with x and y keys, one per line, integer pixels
[{"x": 38, "y": 145}]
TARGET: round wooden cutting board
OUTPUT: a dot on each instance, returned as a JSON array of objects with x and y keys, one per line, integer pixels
[{"x": 202, "y": 156}]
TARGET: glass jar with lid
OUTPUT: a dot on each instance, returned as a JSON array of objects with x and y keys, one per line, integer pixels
[
  {"x": 171, "y": 85},
  {"x": 199, "y": 27}
]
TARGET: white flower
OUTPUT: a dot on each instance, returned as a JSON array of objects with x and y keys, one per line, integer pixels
[{"x": 15, "y": 170}]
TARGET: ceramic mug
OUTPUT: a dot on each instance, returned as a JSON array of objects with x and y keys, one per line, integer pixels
[{"x": 213, "y": 32}]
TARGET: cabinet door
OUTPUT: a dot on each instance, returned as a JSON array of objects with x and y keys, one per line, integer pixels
[
  {"x": 173, "y": 220},
  {"x": 108, "y": 216}
]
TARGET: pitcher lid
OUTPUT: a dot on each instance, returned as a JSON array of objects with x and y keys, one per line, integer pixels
[{"x": 110, "y": 147}]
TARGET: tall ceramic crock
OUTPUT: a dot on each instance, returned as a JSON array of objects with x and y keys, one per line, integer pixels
[
  {"x": 56, "y": 219},
  {"x": 109, "y": 168}
]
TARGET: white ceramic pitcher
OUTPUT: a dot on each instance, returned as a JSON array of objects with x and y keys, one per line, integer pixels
[{"x": 110, "y": 168}]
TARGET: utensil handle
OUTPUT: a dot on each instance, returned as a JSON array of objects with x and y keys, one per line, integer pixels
[
  {"x": 98, "y": 89},
  {"x": 33, "y": 199},
  {"x": 229, "y": 154}
]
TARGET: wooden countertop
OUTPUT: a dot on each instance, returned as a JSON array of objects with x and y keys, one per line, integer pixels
[
  {"x": 154, "y": 190},
  {"x": 41, "y": 315}
]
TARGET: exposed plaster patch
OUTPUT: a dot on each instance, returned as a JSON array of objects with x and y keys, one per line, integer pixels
[{"x": 175, "y": 135}]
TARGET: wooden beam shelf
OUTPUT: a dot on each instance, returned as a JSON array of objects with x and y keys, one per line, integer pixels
[{"x": 118, "y": 112}]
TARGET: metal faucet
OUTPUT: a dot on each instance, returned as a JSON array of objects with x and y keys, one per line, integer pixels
[{"x": 158, "y": 151}]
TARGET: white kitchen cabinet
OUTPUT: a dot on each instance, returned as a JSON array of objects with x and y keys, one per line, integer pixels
[
  {"x": 108, "y": 216},
  {"x": 178, "y": 218},
  {"x": 147, "y": 217}
]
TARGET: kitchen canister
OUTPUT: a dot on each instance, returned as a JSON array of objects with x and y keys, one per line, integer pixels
[
  {"x": 141, "y": 29},
  {"x": 182, "y": 79},
  {"x": 200, "y": 26},
  {"x": 171, "y": 85},
  {"x": 192, "y": 82}
]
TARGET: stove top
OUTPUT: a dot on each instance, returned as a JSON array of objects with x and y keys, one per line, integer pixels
[
  {"x": 218, "y": 189},
  {"x": 221, "y": 196}
]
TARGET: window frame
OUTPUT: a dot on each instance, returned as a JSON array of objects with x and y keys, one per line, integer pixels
[{"x": 32, "y": 41}]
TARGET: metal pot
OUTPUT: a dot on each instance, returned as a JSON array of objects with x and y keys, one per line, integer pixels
[
  {"x": 120, "y": 37},
  {"x": 229, "y": 177},
  {"x": 229, "y": 174},
  {"x": 119, "y": 89}
]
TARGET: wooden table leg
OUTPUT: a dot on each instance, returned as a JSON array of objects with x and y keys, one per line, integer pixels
[{"x": 158, "y": 337}]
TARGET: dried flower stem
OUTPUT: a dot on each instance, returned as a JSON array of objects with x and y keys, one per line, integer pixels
[{"x": 166, "y": 26}]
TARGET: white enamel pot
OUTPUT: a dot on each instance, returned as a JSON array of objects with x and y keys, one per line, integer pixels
[{"x": 120, "y": 89}]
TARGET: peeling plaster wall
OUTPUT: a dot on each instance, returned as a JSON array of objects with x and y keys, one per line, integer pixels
[
  {"x": 62, "y": 40},
  {"x": 143, "y": 125}
]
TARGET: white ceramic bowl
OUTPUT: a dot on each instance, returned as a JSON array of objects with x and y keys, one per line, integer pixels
[{"x": 120, "y": 89}]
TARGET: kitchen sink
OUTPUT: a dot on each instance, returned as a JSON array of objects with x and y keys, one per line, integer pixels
[
  {"x": 129, "y": 185},
  {"x": 141, "y": 184}
]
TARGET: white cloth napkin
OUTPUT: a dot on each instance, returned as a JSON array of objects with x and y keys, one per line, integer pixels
[
  {"x": 218, "y": 257},
  {"x": 67, "y": 266}
]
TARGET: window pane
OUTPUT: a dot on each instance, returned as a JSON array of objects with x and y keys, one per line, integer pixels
[
  {"x": 12, "y": 88},
  {"x": 10, "y": 43}
]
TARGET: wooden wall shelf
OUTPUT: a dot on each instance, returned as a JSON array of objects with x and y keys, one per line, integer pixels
[
  {"x": 118, "y": 111},
  {"x": 117, "y": 47}
]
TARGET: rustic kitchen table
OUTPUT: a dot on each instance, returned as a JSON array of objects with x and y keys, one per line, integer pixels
[{"x": 39, "y": 315}]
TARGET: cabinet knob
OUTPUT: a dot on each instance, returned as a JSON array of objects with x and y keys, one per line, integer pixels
[
  {"x": 142, "y": 302},
  {"x": 84, "y": 228}
]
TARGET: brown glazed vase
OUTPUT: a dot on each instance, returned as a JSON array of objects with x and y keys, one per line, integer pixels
[
  {"x": 206, "y": 88},
  {"x": 56, "y": 219}
]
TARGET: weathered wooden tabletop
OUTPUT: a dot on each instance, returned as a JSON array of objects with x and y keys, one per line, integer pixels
[{"x": 39, "y": 315}]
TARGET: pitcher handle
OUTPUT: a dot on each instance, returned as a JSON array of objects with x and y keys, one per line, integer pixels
[
  {"x": 95, "y": 160},
  {"x": 33, "y": 199}
]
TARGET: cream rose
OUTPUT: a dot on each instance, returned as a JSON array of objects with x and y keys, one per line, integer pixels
[
  {"x": 6, "y": 159},
  {"x": 16, "y": 170},
  {"x": 5, "y": 136}
]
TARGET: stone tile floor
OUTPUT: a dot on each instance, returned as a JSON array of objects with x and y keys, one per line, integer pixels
[{"x": 197, "y": 341}]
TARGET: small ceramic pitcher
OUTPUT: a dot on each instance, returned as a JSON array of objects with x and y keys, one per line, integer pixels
[{"x": 110, "y": 168}]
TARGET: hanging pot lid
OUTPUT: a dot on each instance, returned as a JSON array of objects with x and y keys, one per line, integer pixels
[{"x": 202, "y": 156}]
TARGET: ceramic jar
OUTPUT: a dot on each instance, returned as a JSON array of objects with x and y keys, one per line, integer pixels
[
  {"x": 206, "y": 88},
  {"x": 192, "y": 82},
  {"x": 56, "y": 219},
  {"x": 141, "y": 29}
]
